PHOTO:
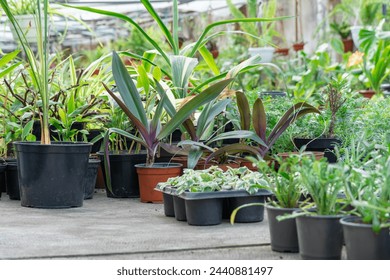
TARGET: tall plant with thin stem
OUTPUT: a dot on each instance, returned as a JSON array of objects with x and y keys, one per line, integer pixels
[{"x": 38, "y": 63}]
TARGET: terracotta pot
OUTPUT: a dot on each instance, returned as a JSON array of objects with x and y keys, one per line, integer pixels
[
  {"x": 367, "y": 93},
  {"x": 348, "y": 45},
  {"x": 149, "y": 177},
  {"x": 248, "y": 164},
  {"x": 282, "y": 51},
  {"x": 298, "y": 46}
]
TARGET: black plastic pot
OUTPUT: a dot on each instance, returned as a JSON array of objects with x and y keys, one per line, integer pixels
[
  {"x": 204, "y": 212},
  {"x": 51, "y": 176},
  {"x": 283, "y": 234},
  {"x": 169, "y": 210},
  {"x": 248, "y": 214},
  {"x": 12, "y": 180},
  {"x": 362, "y": 243},
  {"x": 273, "y": 93},
  {"x": 3, "y": 167},
  {"x": 319, "y": 237},
  {"x": 180, "y": 208},
  {"x": 90, "y": 178},
  {"x": 124, "y": 178},
  {"x": 325, "y": 145}
]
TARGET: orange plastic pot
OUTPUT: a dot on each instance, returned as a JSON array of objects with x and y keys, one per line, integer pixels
[{"x": 149, "y": 177}]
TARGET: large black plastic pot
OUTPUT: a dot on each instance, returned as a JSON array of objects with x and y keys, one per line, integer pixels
[
  {"x": 3, "y": 167},
  {"x": 51, "y": 176},
  {"x": 319, "y": 237},
  {"x": 124, "y": 178},
  {"x": 283, "y": 233},
  {"x": 325, "y": 145},
  {"x": 90, "y": 178},
  {"x": 247, "y": 214},
  {"x": 362, "y": 243},
  {"x": 12, "y": 180},
  {"x": 204, "y": 212}
]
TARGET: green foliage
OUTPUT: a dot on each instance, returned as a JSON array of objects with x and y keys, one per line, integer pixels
[
  {"x": 215, "y": 179},
  {"x": 323, "y": 182},
  {"x": 284, "y": 183},
  {"x": 368, "y": 184}
]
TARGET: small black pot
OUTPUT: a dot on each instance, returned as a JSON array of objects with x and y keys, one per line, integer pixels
[
  {"x": 319, "y": 237},
  {"x": 12, "y": 180},
  {"x": 51, "y": 176},
  {"x": 169, "y": 210},
  {"x": 362, "y": 243},
  {"x": 180, "y": 208},
  {"x": 3, "y": 167},
  {"x": 325, "y": 145},
  {"x": 90, "y": 178},
  {"x": 124, "y": 178},
  {"x": 204, "y": 212},
  {"x": 283, "y": 234},
  {"x": 248, "y": 214}
]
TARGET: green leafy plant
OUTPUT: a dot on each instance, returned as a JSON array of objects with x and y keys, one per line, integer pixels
[
  {"x": 179, "y": 66},
  {"x": 342, "y": 29},
  {"x": 259, "y": 136},
  {"x": 23, "y": 7},
  {"x": 323, "y": 182},
  {"x": 215, "y": 179},
  {"x": 39, "y": 66},
  {"x": 258, "y": 34},
  {"x": 151, "y": 131},
  {"x": 367, "y": 186}
]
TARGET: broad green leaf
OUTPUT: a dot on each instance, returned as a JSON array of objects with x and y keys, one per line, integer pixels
[
  {"x": 337, "y": 45},
  {"x": 209, "y": 114},
  {"x": 202, "y": 98},
  {"x": 143, "y": 79},
  {"x": 182, "y": 68},
  {"x": 157, "y": 75},
  {"x": 209, "y": 59},
  {"x": 234, "y": 149},
  {"x": 9, "y": 69},
  {"x": 27, "y": 129},
  {"x": 128, "y": 90},
  {"x": 8, "y": 57}
]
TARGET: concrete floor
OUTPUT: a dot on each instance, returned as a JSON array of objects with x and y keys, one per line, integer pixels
[{"x": 107, "y": 228}]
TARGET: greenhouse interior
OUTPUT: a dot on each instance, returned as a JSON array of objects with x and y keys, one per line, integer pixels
[{"x": 195, "y": 130}]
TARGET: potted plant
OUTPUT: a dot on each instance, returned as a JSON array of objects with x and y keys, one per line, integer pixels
[
  {"x": 260, "y": 36},
  {"x": 366, "y": 232},
  {"x": 151, "y": 132},
  {"x": 286, "y": 190},
  {"x": 319, "y": 231},
  {"x": 24, "y": 12},
  {"x": 203, "y": 194},
  {"x": 343, "y": 30},
  {"x": 42, "y": 164},
  {"x": 334, "y": 93}
]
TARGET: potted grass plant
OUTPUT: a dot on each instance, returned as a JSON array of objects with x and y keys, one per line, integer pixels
[
  {"x": 285, "y": 186},
  {"x": 50, "y": 174},
  {"x": 319, "y": 230},
  {"x": 366, "y": 231}
]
